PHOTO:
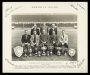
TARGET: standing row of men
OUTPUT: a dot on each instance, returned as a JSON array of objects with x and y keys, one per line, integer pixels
[{"x": 40, "y": 36}]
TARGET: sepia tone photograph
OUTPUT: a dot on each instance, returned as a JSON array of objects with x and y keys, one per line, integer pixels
[{"x": 44, "y": 37}]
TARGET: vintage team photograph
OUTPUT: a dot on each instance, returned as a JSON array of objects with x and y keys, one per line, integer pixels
[{"x": 44, "y": 37}]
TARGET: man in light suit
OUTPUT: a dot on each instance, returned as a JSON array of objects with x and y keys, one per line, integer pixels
[
  {"x": 64, "y": 39},
  {"x": 64, "y": 42}
]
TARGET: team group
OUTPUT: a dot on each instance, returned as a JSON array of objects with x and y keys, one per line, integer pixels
[{"x": 44, "y": 42}]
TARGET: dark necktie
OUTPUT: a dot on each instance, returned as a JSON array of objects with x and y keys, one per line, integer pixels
[
  {"x": 63, "y": 35},
  {"x": 34, "y": 38}
]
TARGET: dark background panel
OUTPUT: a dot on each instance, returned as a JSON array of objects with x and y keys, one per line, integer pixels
[{"x": 44, "y": 18}]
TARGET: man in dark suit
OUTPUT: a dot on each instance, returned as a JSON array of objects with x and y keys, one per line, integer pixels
[
  {"x": 34, "y": 28},
  {"x": 54, "y": 41},
  {"x": 25, "y": 41},
  {"x": 25, "y": 38},
  {"x": 53, "y": 28},
  {"x": 53, "y": 38}
]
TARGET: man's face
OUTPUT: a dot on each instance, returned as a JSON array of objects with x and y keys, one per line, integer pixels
[
  {"x": 53, "y": 25},
  {"x": 35, "y": 26},
  {"x": 26, "y": 32}
]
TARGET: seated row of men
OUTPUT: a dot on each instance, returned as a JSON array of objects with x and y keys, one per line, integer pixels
[
  {"x": 44, "y": 38},
  {"x": 38, "y": 40}
]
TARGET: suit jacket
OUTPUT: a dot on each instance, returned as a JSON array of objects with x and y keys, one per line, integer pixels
[
  {"x": 64, "y": 39},
  {"x": 51, "y": 29},
  {"x": 37, "y": 30},
  {"x": 53, "y": 38},
  {"x": 37, "y": 40},
  {"x": 25, "y": 38}
]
